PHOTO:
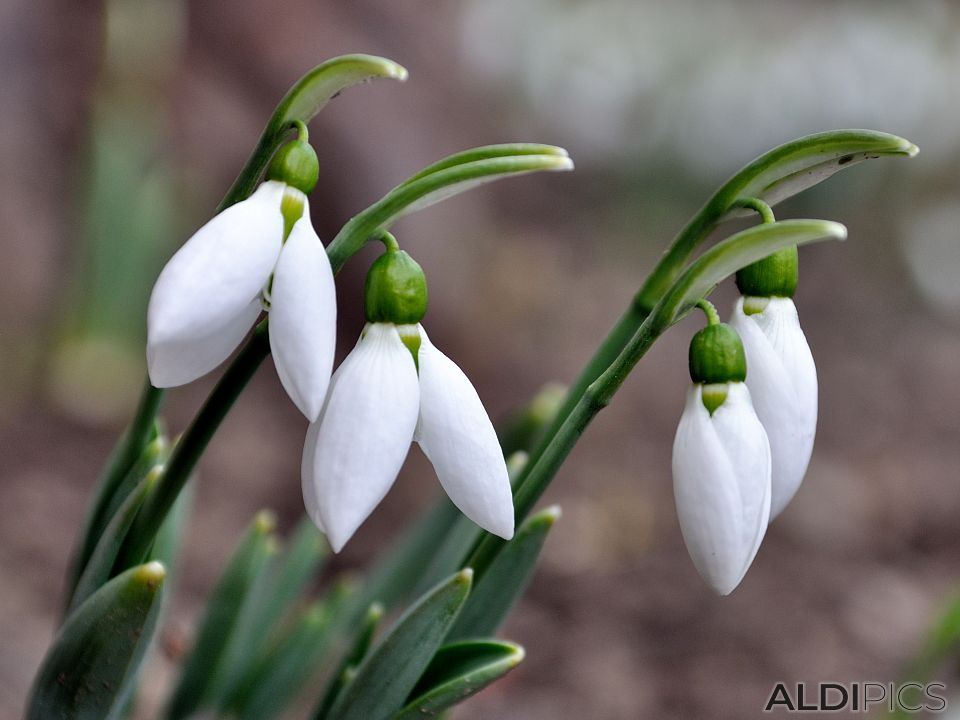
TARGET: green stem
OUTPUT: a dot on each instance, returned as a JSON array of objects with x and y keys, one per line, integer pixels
[
  {"x": 191, "y": 446},
  {"x": 758, "y": 205},
  {"x": 713, "y": 317},
  {"x": 388, "y": 240}
]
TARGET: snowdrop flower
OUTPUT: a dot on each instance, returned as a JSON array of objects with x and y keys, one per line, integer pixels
[
  {"x": 721, "y": 463},
  {"x": 393, "y": 388},
  {"x": 783, "y": 376},
  {"x": 261, "y": 253}
]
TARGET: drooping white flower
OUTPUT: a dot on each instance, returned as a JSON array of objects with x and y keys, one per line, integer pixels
[
  {"x": 782, "y": 378},
  {"x": 721, "y": 484},
  {"x": 212, "y": 290},
  {"x": 379, "y": 401}
]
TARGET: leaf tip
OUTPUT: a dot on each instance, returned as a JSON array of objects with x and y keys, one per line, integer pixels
[
  {"x": 264, "y": 522},
  {"x": 464, "y": 577},
  {"x": 151, "y": 574}
]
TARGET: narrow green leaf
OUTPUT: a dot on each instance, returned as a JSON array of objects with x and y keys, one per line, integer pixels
[
  {"x": 283, "y": 671},
  {"x": 524, "y": 429},
  {"x": 113, "y": 490},
  {"x": 423, "y": 190},
  {"x": 166, "y": 546},
  {"x": 399, "y": 570},
  {"x": 457, "y": 671},
  {"x": 87, "y": 671},
  {"x": 301, "y": 103},
  {"x": 100, "y": 565},
  {"x": 201, "y": 674},
  {"x": 502, "y": 585},
  {"x": 388, "y": 674},
  {"x": 352, "y": 658},
  {"x": 737, "y": 251}
]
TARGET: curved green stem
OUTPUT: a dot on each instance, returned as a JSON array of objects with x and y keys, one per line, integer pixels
[
  {"x": 763, "y": 210},
  {"x": 713, "y": 317},
  {"x": 188, "y": 450}
]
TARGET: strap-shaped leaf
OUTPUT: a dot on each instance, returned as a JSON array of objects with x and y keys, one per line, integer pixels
[
  {"x": 457, "y": 671},
  {"x": 100, "y": 564},
  {"x": 87, "y": 672},
  {"x": 301, "y": 103},
  {"x": 354, "y": 655},
  {"x": 283, "y": 671},
  {"x": 385, "y": 678},
  {"x": 503, "y": 583},
  {"x": 432, "y": 186},
  {"x": 737, "y": 251},
  {"x": 202, "y": 672}
]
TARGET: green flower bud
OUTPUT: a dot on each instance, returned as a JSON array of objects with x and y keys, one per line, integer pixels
[
  {"x": 774, "y": 276},
  {"x": 295, "y": 164},
  {"x": 396, "y": 290},
  {"x": 716, "y": 356}
]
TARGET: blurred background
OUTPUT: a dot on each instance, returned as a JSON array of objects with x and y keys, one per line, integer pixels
[{"x": 122, "y": 123}]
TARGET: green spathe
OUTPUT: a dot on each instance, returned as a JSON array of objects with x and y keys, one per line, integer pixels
[
  {"x": 716, "y": 356},
  {"x": 396, "y": 290},
  {"x": 774, "y": 276},
  {"x": 295, "y": 164}
]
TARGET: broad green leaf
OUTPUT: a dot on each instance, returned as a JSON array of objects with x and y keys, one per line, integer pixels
[
  {"x": 424, "y": 190},
  {"x": 737, "y": 251},
  {"x": 301, "y": 103},
  {"x": 279, "y": 674},
  {"x": 201, "y": 674},
  {"x": 100, "y": 565},
  {"x": 87, "y": 672},
  {"x": 457, "y": 671},
  {"x": 385, "y": 678},
  {"x": 352, "y": 658},
  {"x": 503, "y": 583}
]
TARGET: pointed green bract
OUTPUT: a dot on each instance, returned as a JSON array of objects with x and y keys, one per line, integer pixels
[
  {"x": 457, "y": 671},
  {"x": 501, "y": 586},
  {"x": 301, "y": 103},
  {"x": 383, "y": 681},
  {"x": 737, "y": 251},
  {"x": 488, "y": 152},
  {"x": 427, "y": 188},
  {"x": 87, "y": 672},
  {"x": 201, "y": 677}
]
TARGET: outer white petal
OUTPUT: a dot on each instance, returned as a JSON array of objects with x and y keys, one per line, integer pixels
[
  {"x": 455, "y": 432},
  {"x": 782, "y": 378},
  {"x": 303, "y": 316},
  {"x": 209, "y": 284},
  {"x": 721, "y": 483},
  {"x": 364, "y": 431},
  {"x": 306, "y": 475}
]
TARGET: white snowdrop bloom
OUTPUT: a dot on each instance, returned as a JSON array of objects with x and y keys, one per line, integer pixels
[
  {"x": 211, "y": 291},
  {"x": 782, "y": 378},
  {"x": 379, "y": 401},
  {"x": 721, "y": 483}
]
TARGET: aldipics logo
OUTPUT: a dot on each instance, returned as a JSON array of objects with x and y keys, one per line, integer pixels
[{"x": 908, "y": 697}]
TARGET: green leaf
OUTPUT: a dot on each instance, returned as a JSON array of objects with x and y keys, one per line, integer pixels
[
  {"x": 201, "y": 676},
  {"x": 524, "y": 429},
  {"x": 113, "y": 490},
  {"x": 283, "y": 671},
  {"x": 385, "y": 678},
  {"x": 100, "y": 565},
  {"x": 432, "y": 186},
  {"x": 352, "y": 658},
  {"x": 503, "y": 583},
  {"x": 87, "y": 671},
  {"x": 166, "y": 546},
  {"x": 737, "y": 251},
  {"x": 301, "y": 103},
  {"x": 457, "y": 671},
  {"x": 487, "y": 152}
]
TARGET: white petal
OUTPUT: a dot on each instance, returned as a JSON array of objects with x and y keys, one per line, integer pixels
[
  {"x": 455, "y": 432},
  {"x": 306, "y": 475},
  {"x": 364, "y": 431},
  {"x": 303, "y": 316},
  {"x": 208, "y": 285},
  {"x": 721, "y": 482},
  {"x": 782, "y": 378}
]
